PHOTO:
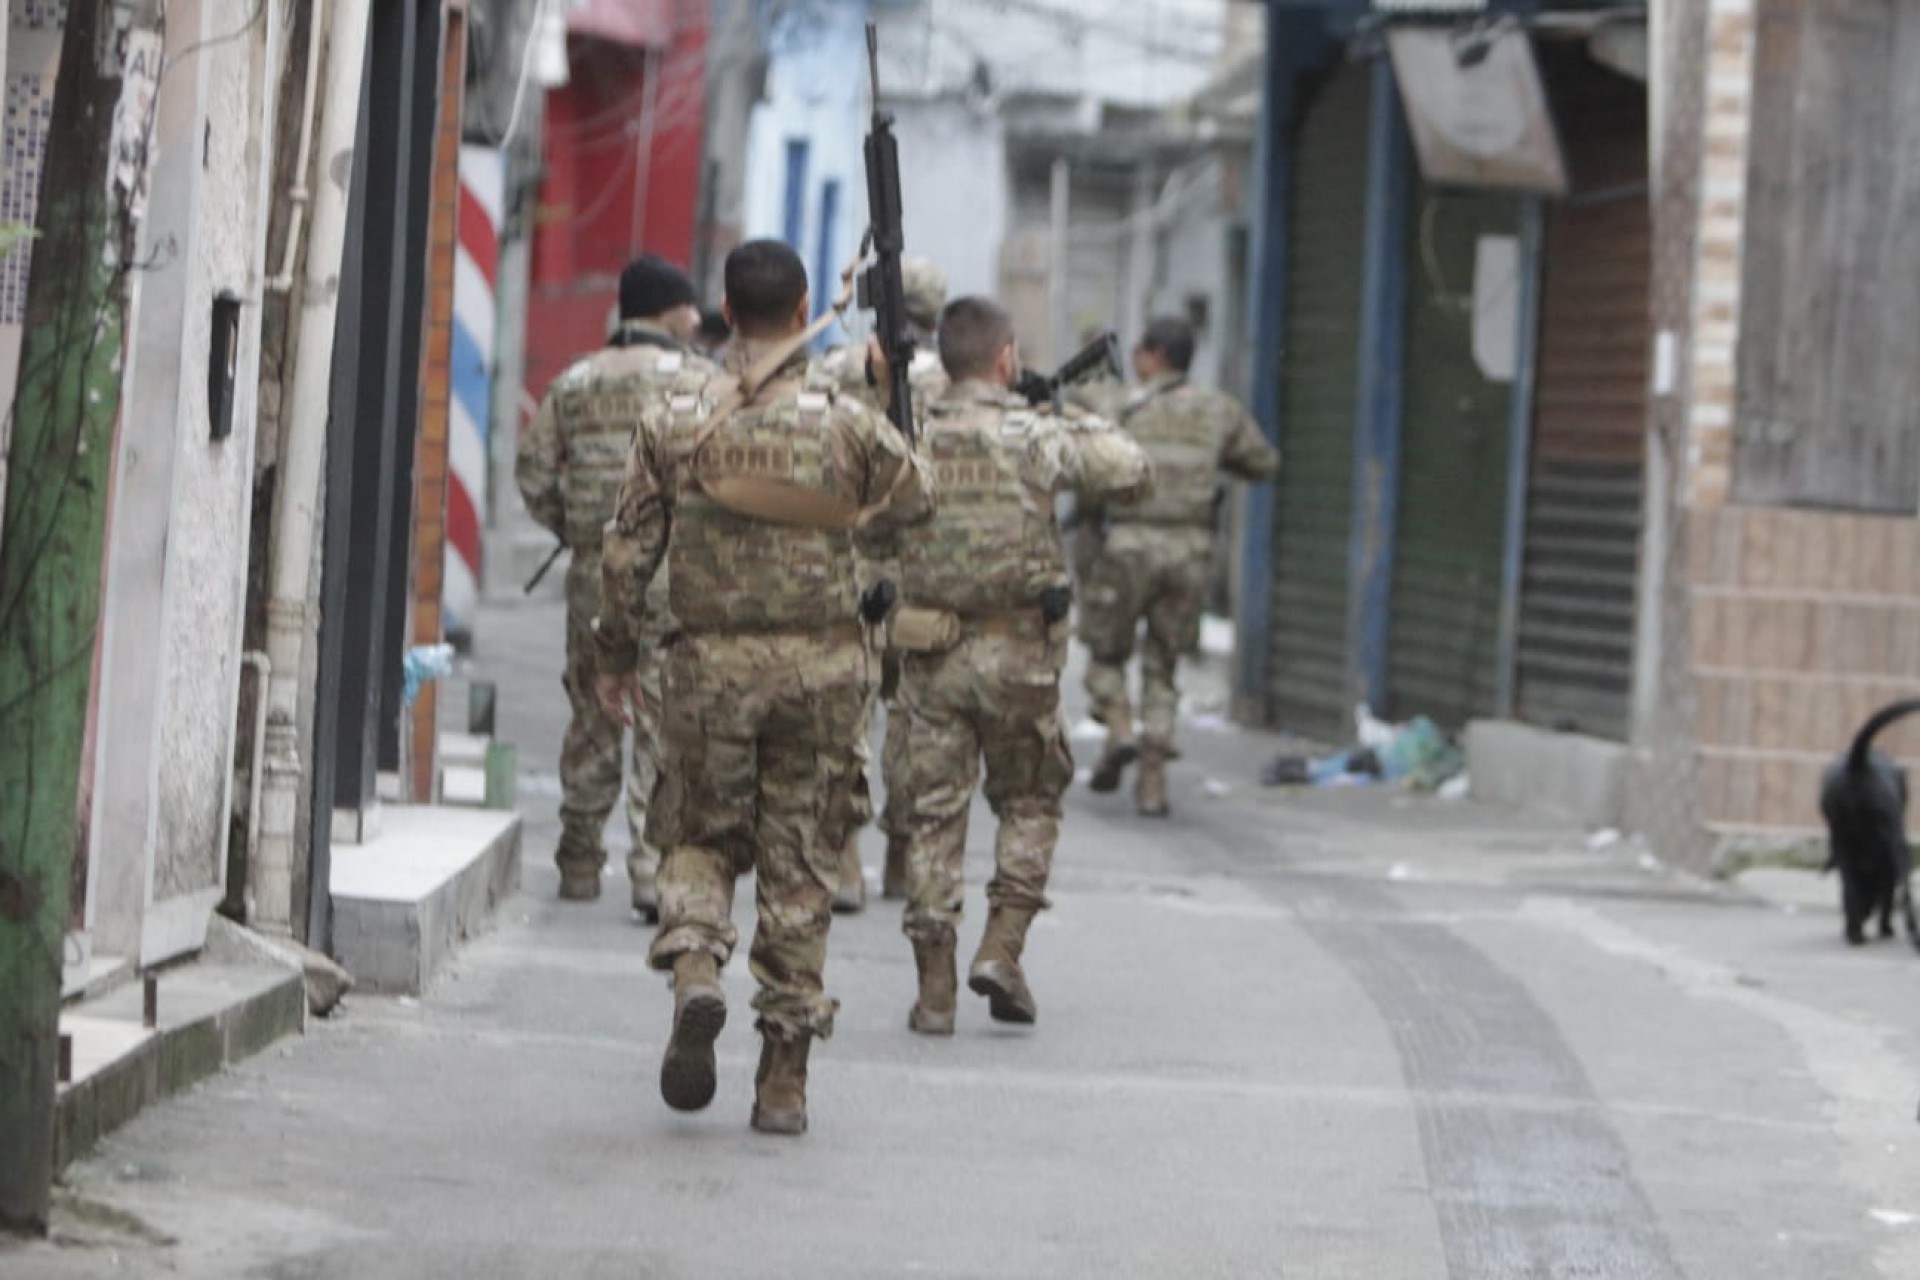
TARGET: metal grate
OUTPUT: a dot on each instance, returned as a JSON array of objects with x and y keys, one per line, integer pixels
[{"x": 1313, "y": 498}]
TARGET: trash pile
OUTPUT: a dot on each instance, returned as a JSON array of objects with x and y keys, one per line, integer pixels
[
  {"x": 1415, "y": 755},
  {"x": 422, "y": 664}
]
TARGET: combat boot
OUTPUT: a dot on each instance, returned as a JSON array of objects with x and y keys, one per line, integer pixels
[
  {"x": 1120, "y": 752},
  {"x": 646, "y": 900},
  {"x": 893, "y": 877},
  {"x": 996, "y": 972},
  {"x": 1150, "y": 788},
  {"x": 850, "y": 894},
  {"x": 932, "y": 1013},
  {"x": 699, "y": 1012},
  {"x": 780, "y": 1085},
  {"x": 579, "y": 872}
]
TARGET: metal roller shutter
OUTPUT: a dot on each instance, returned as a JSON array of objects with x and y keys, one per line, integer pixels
[
  {"x": 1443, "y": 642},
  {"x": 1314, "y": 496},
  {"x": 1575, "y": 662}
]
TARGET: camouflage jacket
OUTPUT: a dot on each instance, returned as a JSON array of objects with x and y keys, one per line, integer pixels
[
  {"x": 993, "y": 547},
  {"x": 730, "y": 572},
  {"x": 1193, "y": 435},
  {"x": 574, "y": 455}
]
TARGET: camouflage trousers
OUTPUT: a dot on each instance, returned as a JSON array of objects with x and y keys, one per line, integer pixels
[
  {"x": 1155, "y": 574},
  {"x": 761, "y": 776},
  {"x": 590, "y": 763},
  {"x": 992, "y": 700}
]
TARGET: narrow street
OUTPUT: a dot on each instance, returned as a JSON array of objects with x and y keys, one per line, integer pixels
[{"x": 1345, "y": 1035}]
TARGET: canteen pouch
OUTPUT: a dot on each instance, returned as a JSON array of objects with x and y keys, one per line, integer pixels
[{"x": 924, "y": 630}]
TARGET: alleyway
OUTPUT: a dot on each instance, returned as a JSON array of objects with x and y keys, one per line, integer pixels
[{"x": 1351, "y": 1036}]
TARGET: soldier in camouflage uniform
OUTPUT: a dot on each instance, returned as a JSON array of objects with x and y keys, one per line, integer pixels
[
  {"x": 569, "y": 469},
  {"x": 926, "y": 293},
  {"x": 982, "y": 630},
  {"x": 1155, "y": 560},
  {"x": 765, "y": 478}
]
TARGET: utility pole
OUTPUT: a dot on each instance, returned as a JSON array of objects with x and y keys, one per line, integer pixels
[{"x": 51, "y": 548}]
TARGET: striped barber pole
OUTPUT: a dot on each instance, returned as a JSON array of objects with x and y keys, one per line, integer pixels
[{"x": 482, "y": 190}]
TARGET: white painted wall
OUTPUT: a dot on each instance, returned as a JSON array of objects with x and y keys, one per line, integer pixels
[
  {"x": 177, "y": 556},
  {"x": 1136, "y": 53},
  {"x": 815, "y": 92},
  {"x": 1164, "y": 242},
  {"x": 953, "y": 190}
]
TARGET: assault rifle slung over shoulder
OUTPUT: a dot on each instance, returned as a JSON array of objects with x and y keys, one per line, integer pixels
[{"x": 883, "y": 287}]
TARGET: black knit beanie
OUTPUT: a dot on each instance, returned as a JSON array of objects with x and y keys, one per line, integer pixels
[{"x": 651, "y": 286}]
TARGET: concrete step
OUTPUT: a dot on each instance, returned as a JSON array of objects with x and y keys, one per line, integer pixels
[
  {"x": 210, "y": 1015},
  {"x": 1565, "y": 775},
  {"x": 431, "y": 877}
]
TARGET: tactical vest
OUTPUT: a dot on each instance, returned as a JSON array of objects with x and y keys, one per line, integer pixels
[
  {"x": 992, "y": 547},
  {"x": 765, "y": 495},
  {"x": 597, "y": 414},
  {"x": 1180, "y": 431}
]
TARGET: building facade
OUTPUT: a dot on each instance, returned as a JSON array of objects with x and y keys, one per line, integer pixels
[
  {"x": 1782, "y": 593},
  {"x": 1454, "y": 365}
]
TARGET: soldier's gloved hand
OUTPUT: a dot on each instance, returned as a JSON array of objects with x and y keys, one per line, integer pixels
[{"x": 619, "y": 696}]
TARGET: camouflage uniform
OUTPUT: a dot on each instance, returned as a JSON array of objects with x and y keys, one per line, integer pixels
[
  {"x": 571, "y": 462},
  {"x": 926, "y": 294},
  {"x": 768, "y": 683},
  {"x": 928, "y": 382},
  {"x": 1084, "y": 523},
  {"x": 1155, "y": 560},
  {"x": 992, "y": 695}
]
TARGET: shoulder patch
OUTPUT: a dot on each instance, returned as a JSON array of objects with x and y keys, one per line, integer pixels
[
  {"x": 1019, "y": 423},
  {"x": 671, "y": 362}
]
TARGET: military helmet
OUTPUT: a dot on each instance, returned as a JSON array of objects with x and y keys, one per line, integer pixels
[{"x": 926, "y": 289}]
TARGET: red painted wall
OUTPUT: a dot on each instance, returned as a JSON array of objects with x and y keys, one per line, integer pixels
[{"x": 623, "y": 174}]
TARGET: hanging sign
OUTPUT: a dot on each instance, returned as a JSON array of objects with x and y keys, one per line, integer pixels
[{"x": 1477, "y": 109}]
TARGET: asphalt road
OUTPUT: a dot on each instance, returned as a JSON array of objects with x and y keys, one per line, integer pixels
[{"x": 1334, "y": 1035}]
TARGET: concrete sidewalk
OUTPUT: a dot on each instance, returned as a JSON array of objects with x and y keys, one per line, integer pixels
[{"x": 1334, "y": 1034}]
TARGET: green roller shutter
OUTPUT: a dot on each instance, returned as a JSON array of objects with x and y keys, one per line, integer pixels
[
  {"x": 1314, "y": 497},
  {"x": 1444, "y": 622}
]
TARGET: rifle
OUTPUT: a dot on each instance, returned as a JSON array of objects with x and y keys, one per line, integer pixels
[
  {"x": 882, "y": 288},
  {"x": 540, "y": 574},
  {"x": 1102, "y": 353}
]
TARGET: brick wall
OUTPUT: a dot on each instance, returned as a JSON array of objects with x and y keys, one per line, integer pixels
[
  {"x": 1780, "y": 630},
  {"x": 1725, "y": 112},
  {"x": 1804, "y": 623}
]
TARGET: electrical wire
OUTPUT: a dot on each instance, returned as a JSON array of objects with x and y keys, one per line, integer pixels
[{"x": 540, "y": 8}]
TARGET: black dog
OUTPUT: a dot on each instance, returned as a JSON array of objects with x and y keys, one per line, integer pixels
[{"x": 1864, "y": 800}]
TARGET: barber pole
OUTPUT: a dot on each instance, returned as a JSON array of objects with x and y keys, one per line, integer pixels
[{"x": 482, "y": 187}]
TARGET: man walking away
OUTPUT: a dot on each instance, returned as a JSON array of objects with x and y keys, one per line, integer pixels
[
  {"x": 764, "y": 479},
  {"x": 982, "y": 631},
  {"x": 569, "y": 469},
  {"x": 1153, "y": 567},
  {"x": 925, "y": 294}
]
